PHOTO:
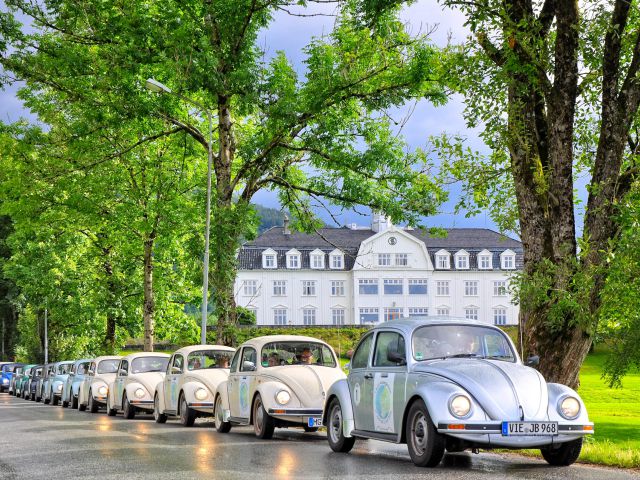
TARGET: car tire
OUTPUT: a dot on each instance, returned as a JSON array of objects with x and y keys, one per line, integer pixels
[
  {"x": 335, "y": 433},
  {"x": 54, "y": 400},
  {"x": 81, "y": 407},
  {"x": 111, "y": 412},
  {"x": 74, "y": 400},
  {"x": 425, "y": 444},
  {"x": 65, "y": 403},
  {"x": 187, "y": 414},
  {"x": 157, "y": 416},
  {"x": 128, "y": 410},
  {"x": 221, "y": 425},
  {"x": 263, "y": 423},
  {"x": 92, "y": 406},
  {"x": 47, "y": 400},
  {"x": 564, "y": 454}
]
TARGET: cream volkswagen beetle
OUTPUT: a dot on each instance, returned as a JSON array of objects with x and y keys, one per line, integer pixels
[
  {"x": 135, "y": 383},
  {"x": 277, "y": 381},
  {"x": 192, "y": 378},
  {"x": 95, "y": 386}
]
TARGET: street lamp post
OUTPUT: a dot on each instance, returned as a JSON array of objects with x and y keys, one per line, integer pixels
[{"x": 158, "y": 87}]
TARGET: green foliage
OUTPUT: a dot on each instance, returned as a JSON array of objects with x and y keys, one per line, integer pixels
[{"x": 246, "y": 317}]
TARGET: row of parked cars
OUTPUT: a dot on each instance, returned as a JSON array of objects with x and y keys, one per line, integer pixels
[{"x": 435, "y": 384}]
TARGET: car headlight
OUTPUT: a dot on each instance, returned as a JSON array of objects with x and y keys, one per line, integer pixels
[
  {"x": 103, "y": 391},
  {"x": 200, "y": 394},
  {"x": 59, "y": 387},
  {"x": 460, "y": 406},
  {"x": 5, "y": 381},
  {"x": 283, "y": 397},
  {"x": 139, "y": 393},
  {"x": 569, "y": 407}
]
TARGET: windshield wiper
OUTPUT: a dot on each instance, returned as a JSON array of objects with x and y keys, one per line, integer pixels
[
  {"x": 498, "y": 357},
  {"x": 464, "y": 355}
]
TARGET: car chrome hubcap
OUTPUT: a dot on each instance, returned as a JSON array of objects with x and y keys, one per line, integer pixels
[
  {"x": 183, "y": 410},
  {"x": 336, "y": 424},
  {"x": 258, "y": 416},
  {"x": 419, "y": 432}
]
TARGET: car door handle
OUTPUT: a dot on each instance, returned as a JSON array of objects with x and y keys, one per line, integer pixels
[
  {"x": 384, "y": 375},
  {"x": 368, "y": 375}
]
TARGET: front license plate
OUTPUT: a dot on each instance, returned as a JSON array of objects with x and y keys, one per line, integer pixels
[
  {"x": 314, "y": 422},
  {"x": 510, "y": 429}
]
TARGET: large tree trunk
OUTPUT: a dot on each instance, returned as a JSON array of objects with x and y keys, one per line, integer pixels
[
  {"x": 110, "y": 330},
  {"x": 148, "y": 299}
]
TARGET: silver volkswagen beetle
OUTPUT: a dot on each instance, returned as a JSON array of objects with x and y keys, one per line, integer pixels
[{"x": 440, "y": 383}]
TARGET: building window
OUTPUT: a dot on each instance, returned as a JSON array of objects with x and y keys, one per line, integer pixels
[
  {"x": 402, "y": 259},
  {"x": 393, "y": 286},
  {"x": 462, "y": 262},
  {"x": 471, "y": 313},
  {"x": 336, "y": 262},
  {"x": 508, "y": 261},
  {"x": 484, "y": 262},
  {"x": 384, "y": 259},
  {"x": 471, "y": 288},
  {"x": 309, "y": 316},
  {"x": 500, "y": 316},
  {"x": 418, "y": 311},
  {"x": 337, "y": 288},
  {"x": 417, "y": 286},
  {"x": 279, "y": 288},
  {"x": 442, "y": 262},
  {"x": 392, "y": 314},
  {"x": 442, "y": 288},
  {"x": 317, "y": 261},
  {"x": 250, "y": 287},
  {"x": 270, "y": 261},
  {"x": 369, "y": 315},
  {"x": 499, "y": 288},
  {"x": 280, "y": 316},
  {"x": 308, "y": 288},
  {"x": 293, "y": 261},
  {"x": 442, "y": 311},
  {"x": 337, "y": 316},
  {"x": 368, "y": 286}
]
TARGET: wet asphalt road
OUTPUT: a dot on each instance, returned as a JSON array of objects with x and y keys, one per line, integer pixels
[{"x": 44, "y": 442}]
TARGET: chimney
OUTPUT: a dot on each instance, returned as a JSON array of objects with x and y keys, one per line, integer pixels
[
  {"x": 286, "y": 230},
  {"x": 379, "y": 223}
]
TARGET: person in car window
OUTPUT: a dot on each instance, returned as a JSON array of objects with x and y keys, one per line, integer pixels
[{"x": 306, "y": 357}]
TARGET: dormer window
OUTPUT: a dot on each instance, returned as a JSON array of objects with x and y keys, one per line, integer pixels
[
  {"x": 336, "y": 260},
  {"x": 442, "y": 260},
  {"x": 508, "y": 260},
  {"x": 316, "y": 259},
  {"x": 269, "y": 259},
  {"x": 462, "y": 260},
  {"x": 485, "y": 260},
  {"x": 293, "y": 259}
]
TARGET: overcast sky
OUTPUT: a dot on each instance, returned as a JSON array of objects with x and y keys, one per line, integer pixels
[{"x": 292, "y": 33}]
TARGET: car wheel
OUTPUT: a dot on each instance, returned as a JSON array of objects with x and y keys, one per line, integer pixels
[
  {"x": 128, "y": 410},
  {"x": 335, "y": 433},
  {"x": 187, "y": 414},
  {"x": 221, "y": 425},
  {"x": 111, "y": 412},
  {"x": 73, "y": 400},
  {"x": 65, "y": 403},
  {"x": 93, "y": 406},
  {"x": 47, "y": 400},
  {"x": 54, "y": 400},
  {"x": 263, "y": 423},
  {"x": 426, "y": 446},
  {"x": 157, "y": 416},
  {"x": 564, "y": 454},
  {"x": 81, "y": 406}
]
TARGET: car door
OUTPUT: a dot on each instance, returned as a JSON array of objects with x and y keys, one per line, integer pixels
[
  {"x": 240, "y": 389},
  {"x": 172, "y": 382},
  {"x": 360, "y": 382},
  {"x": 389, "y": 367},
  {"x": 119, "y": 383},
  {"x": 86, "y": 383}
]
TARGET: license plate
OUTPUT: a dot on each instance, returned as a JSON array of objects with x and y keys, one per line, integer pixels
[
  {"x": 314, "y": 422},
  {"x": 510, "y": 429}
]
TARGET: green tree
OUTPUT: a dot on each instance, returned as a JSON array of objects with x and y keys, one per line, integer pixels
[{"x": 319, "y": 136}]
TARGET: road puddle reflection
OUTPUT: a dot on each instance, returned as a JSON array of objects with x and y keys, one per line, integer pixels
[
  {"x": 287, "y": 463},
  {"x": 205, "y": 452}
]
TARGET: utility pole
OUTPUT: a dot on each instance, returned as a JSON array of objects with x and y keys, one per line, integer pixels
[
  {"x": 2, "y": 357},
  {"x": 46, "y": 335}
]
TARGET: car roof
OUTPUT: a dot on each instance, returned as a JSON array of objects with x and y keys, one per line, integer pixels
[
  {"x": 133, "y": 356},
  {"x": 408, "y": 325},
  {"x": 83, "y": 360},
  {"x": 193, "y": 348},
  {"x": 259, "y": 342},
  {"x": 107, "y": 357}
]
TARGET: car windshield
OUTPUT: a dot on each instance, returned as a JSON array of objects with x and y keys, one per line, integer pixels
[
  {"x": 38, "y": 372},
  {"x": 461, "y": 341},
  {"x": 64, "y": 368},
  {"x": 209, "y": 359},
  {"x": 108, "y": 366},
  {"x": 149, "y": 364},
  {"x": 297, "y": 353},
  {"x": 82, "y": 368},
  {"x": 17, "y": 370}
]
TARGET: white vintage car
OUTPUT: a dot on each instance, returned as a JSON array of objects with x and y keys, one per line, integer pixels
[
  {"x": 192, "y": 378},
  {"x": 135, "y": 383},
  {"x": 277, "y": 381},
  {"x": 95, "y": 386}
]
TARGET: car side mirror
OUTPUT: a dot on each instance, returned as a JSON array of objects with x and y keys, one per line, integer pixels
[
  {"x": 532, "y": 361},
  {"x": 248, "y": 366},
  {"x": 122, "y": 372},
  {"x": 395, "y": 357},
  {"x": 175, "y": 370}
]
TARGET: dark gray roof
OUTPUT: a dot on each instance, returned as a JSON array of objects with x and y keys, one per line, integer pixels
[{"x": 348, "y": 240}]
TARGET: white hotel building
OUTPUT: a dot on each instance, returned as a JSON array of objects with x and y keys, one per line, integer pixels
[{"x": 356, "y": 275}]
